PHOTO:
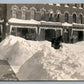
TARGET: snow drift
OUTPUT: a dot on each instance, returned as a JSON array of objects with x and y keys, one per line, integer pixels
[{"x": 37, "y": 60}]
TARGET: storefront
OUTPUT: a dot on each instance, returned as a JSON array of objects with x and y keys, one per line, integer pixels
[
  {"x": 27, "y": 29},
  {"x": 48, "y": 30},
  {"x": 42, "y": 30}
]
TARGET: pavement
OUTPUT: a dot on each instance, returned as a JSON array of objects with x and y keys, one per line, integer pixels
[{"x": 6, "y": 72}]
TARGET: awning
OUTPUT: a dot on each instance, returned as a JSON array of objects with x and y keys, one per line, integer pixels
[
  {"x": 51, "y": 23},
  {"x": 20, "y": 21},
  {"x": 78, "y": 25}
]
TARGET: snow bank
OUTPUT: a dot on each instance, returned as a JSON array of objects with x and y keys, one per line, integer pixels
[
  {"x": 37, "y": 60},
  {"x": 17, "y": 50}
]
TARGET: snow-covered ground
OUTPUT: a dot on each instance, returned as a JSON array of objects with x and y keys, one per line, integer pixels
[{"x": 37, "y": 60}]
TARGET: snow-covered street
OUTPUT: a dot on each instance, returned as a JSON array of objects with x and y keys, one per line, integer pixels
[{"x": 37, "y": 60}]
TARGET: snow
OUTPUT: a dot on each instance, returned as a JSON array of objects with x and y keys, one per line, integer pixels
[
  {"x": 14, "y": 20},
  {"x": 57, "y": 4},
  {"x": 20, "y": 21},
  {"x": 66, "y": 24},
  {"x": 37, "y": 60},
  {"x": 66, "y": 5}
]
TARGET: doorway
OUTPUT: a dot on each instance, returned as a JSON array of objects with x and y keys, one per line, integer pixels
[
  {"x": 49, "y": 34},
  {"x": 80, "y": 35}
]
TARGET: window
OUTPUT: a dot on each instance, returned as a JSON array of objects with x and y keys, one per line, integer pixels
[
  {"x": 14, "y": 11},
  {"x": 81, "y": 18},
  {"x": 58, "y": 18},
  {"x": 74, "y": 18},
  {"x": 23, "y": 10},
  {"x": 50, "y": 17},
  {"x": 66, "y": 17},
  {"x": 42, "y": 13},
  {"x": 74, "y": 5},
  {"x": 32, "y": 10},
  {"x": 66, "y": 5},
  {"x": 80, "y": 6}
]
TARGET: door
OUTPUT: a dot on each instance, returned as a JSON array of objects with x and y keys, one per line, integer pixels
[{"x": 49, "y": 34}]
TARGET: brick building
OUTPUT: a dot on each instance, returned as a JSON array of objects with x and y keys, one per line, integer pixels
[{"x": 44, "y": 21}]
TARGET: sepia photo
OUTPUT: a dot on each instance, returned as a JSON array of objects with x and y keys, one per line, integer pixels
[{"x": 42, "y": 42}]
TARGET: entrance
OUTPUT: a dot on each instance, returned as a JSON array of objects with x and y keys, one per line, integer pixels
[
  {"x": 49, "y": 34},
  {"x": 66, "y": 36},
  {"x": 80, "y": 35}
]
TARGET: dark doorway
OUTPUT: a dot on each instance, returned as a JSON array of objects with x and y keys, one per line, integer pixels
[
  {"x": 80, "y": 35},
  {"x": 66, "y": 36},
  {"x": 49, "y": 34}
]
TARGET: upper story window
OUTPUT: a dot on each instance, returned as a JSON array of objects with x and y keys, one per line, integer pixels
[
  {"x": 58, "y": 14},
  {"x": 81, "y": 18},
  {"x": 74, "y": 5},
  {"x": 74, "y": 18},
  {"x": 32, "y": 10},
  {"x": 66, "y": 17},
  {"x": 14, "y": 11},
  {"x": 50, "y": 15},
  {"x": 80, "y": 6},
  {"x": 58, "y": 18},
  {"x": 42, "y": 11},
  {"x": 23, "y": 10}
]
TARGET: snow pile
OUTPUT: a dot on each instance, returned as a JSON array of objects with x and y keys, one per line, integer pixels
[{"x": 37, "y": 60}]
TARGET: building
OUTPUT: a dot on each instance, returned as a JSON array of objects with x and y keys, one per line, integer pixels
[
  {"x": 44, "y": 21},
  {"x": 3, "y": 12}
]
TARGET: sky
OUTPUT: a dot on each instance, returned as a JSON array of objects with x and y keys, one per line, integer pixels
[{"x": 41, "y": 1}]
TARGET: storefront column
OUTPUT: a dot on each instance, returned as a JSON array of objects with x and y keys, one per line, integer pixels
[
  {"x": 37, "y": 33},
  {"x": 10, "y": 29}
]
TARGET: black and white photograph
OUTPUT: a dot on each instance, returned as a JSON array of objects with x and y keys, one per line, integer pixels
[{"x": 42, "y": 42}]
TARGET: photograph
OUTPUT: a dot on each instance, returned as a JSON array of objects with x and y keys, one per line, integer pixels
[{"x": 42, "y": 42}]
